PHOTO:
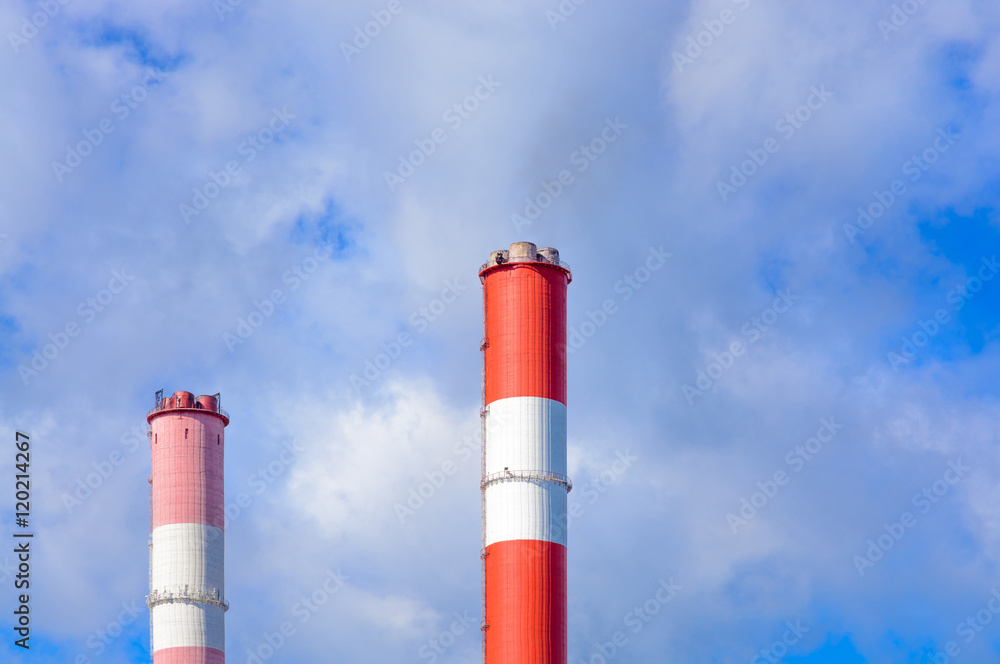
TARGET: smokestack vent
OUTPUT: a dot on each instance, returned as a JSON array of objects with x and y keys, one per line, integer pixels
[
  {"x": 549, "y": 255},
  {"x": 523, "y": 251}
]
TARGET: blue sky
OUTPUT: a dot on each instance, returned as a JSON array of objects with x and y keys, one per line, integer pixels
[{"x": 824, "y": 383}]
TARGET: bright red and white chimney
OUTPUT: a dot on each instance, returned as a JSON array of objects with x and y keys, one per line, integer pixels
[
  {"x": 186, "y": 599},
  {"x": 524, "y": 482}
]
